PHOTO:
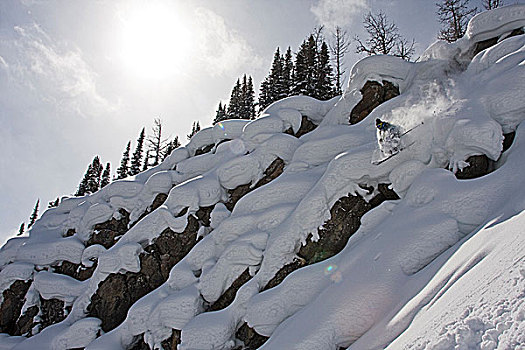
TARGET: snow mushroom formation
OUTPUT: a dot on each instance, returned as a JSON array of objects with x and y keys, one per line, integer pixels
[{"x": 229, "y": 243}]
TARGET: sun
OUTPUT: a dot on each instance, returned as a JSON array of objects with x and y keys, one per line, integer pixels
[{"x": 155, "y": 42}]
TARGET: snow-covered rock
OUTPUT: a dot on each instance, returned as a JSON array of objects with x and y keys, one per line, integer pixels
[{"x": 439, "y": 267}]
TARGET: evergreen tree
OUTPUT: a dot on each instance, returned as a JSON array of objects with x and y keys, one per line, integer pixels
[
  {"x": 274, "y": 87},
  {"x": 53, "y": 204},
  {"x": 195, "y": 129},
  {"x": 492, "y": 4},
  {"x": 324, "y": 88},
  {"x": 136, "y": 160},
  {"x": 220, "y": 114},
  {"x": 454, "y": 16},
  {"x": 94, "y": 176},
  {"x": 234, "y": 107},
  {"x": 339, "y": 48},
  {"x": 123, "y": 170},
  {"x": 157, "y": 144},
  {"x": 146, "y": 161},
  {"x": 171, "y": 146},
  {"x": 305, "y": 65},
  {"x": 106, "y": 176},
  {"x": 91, "y": 181},
  {"x": 288, "y": 72},
  {"x": 21, "y": 229},
  {"x": 34, "y": 215},
  {"x": 248, "y": 99},
  {"x": 383, "y": 38}
]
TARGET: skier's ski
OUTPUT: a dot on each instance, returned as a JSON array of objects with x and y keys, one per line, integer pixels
[{"x": 390, "y": 156}]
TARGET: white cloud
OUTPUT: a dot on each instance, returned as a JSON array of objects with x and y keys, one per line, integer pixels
[
  {"x": 58, "y": 74},
  {"x": 222, "y": 49},
  {"x": 333, "y": 13}
]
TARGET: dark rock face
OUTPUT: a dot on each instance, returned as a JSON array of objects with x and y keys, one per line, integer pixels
[
  {"x": 204, "y": 149},
  {"x": 138, "y": 343},
  {"x": 172, "y": 342},
  {"x": 157, "y": 202},
  {"x": 478, "y": 166},
  {"x": 51, "y": 312},
  {"x": 118, "y": 292},
  {"x": 333, "y": 235},
  {"x": 252, "y": 340},
  {"x": 227, "y": 297},
  {"x": 374, "y": 94},
  {"x": 275, "y": 169},
  {"x": 306, "y": 126},
  {"x": 106, "y": 233},
  {"x": 508, "y": 139},
  {"x": 76, "y": 271},
  {"x": 13, "y": 301},
  {"x": 25, "y": 323},
  {"x": 283, "y": 272},
  {"x": 485, "y": 44}
]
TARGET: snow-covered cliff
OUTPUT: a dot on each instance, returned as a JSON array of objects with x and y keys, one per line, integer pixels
[{"x": 269, "y": 234}]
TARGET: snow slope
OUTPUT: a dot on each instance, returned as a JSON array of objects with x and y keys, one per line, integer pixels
[{"x": 442, "y": 267}]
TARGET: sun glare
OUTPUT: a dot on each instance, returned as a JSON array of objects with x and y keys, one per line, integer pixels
[{"x": 155, "y": 42}]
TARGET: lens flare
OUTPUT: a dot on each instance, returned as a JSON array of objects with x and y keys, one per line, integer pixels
[
  {"x": 335, "y": 276},
  {"x": 330, "y": 269},
  {"x": 220, "y": 125}
]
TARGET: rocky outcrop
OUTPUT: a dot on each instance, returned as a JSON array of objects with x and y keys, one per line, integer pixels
[
  {"x": 485, "y": 44},
  {"x": 51, "y": 311},
  {"x": 77, "y": 271},
  {"x": 478, "y": 166},
  {"x": 251, "y": 339},
  {"x": 13, "y": 301},
  {"x": 344, "y": 221},
  {"x": 118, "y": 292},
  {"x": 275, "y": 169},
  {"x": 373, "y": 94},
  {"x": 227, "y": 297},
  {"x": 108, "y": 232},
  {"x": 306, "y": 126}
]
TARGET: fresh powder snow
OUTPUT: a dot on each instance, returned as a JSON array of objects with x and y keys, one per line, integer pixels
[{"x": 440, "y": 268}]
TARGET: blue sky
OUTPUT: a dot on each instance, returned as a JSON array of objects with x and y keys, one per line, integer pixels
[{"x": 74, "y": 85}]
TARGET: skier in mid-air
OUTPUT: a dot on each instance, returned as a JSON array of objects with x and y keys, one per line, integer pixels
[{"x": 389, "y": 137}]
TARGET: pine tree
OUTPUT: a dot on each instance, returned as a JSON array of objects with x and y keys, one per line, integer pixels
[
  {"x": 21, "y": 229},
  {"x": 94, "y": 176},
  {"x": 234, "y": 107},
  {"x": 106, "y": 176},
  {"x": 91, "y": 181},
  {"x": 146, "y": 161},
  {"x": 156, "y": 143},
  {"x": 171, "y": 146},
  {"x": 339, "y": 48},
  {"x": 195, "y": 129},
  {"x": 454, "y": 16},
  {"x": 54, "y": 204},
  {"x": 305, "y": 64},
  {"x": 492, "y": 4},
  {"x": 34, "y": 215},
  {"x": 136, "y": 160},
  {"x": 220, "y": 114},
  {"x": 383, "y": 38},
  {"x": 274, "y": 87},
  {"x": 123, "y": 170},
  {"x": 324, "y": 88},
  {"x": 288, "y": 72},
  {"x": 248, "y": 99}
]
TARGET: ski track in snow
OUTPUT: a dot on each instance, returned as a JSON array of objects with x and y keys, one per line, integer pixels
[{"x": 404, "y": 279}]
